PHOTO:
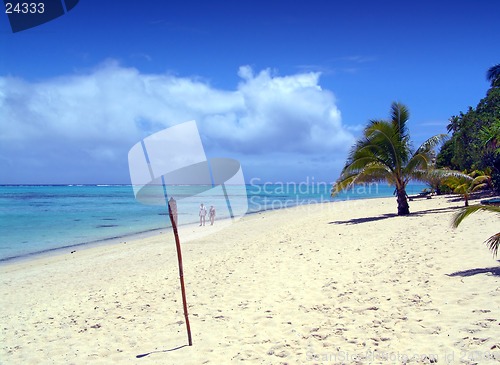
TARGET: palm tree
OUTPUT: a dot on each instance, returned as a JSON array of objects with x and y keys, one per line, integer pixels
[
  {"x": 384, "y": 153},
  {"x": 493, "y": 242},
  {"x": 454, "y": 124},
  {"x": 493, "y": 75},
  {"x": 466, "y": 184}
]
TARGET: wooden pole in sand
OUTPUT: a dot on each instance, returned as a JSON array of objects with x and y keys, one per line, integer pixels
[{"x": 172, "y": 212}]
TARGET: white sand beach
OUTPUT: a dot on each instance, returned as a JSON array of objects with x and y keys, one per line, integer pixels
[{"x": 338, "y": 283}]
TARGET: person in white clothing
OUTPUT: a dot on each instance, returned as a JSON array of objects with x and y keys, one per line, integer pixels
[
  {"x": 203, "y": 214},
  {"x": 211, "y": 215}
]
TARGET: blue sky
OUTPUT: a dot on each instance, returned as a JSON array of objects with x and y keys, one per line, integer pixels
[{"x": 285, "y": 87}]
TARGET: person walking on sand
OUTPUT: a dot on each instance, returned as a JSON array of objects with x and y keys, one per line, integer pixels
[
  {"x": 203, "y": 214},
  {"x": 211, "y": 215}
]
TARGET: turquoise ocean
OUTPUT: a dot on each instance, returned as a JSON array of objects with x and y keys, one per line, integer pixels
[{"x": 38, "y": 219}]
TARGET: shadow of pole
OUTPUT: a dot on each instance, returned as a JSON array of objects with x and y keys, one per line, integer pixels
[{"x": 160, "y": 351}]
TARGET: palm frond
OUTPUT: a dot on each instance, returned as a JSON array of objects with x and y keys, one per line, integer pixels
[
  {"x": 456, "y": 179},
  {"x": 461, "y": 189},
  {"x": 418, "y": 175},
  {"x": 431, "y": 175},
  {"x": 386, "y": 143},
  {"x": 466, "y": 211},
  {"x": 359, "y": 164},
  {"x": 372, "y": 172},
  {"x": 446, "y": 173},
  {"x": 378, "y": 145},
  {"x": 342, "y": 184},
  {"x": 419, "y": 161},
  {"x": 480, "y": 187},
  {"x": 493, "y": 243},
  {"x": 432, "y": 142},
  {"x": 481, "y": 180},
  {"x": 424, "y": 156},
  {"x": 427, "y": 175},
  {"x": 399, "y": 117}
]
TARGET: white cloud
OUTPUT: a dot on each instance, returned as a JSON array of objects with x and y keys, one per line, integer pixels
[{"x": 91, "y": 119}]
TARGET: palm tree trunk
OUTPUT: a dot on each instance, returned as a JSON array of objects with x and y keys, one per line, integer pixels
[{"x": 403, "y": 207}]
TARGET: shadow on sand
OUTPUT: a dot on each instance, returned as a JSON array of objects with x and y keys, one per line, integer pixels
[
  {"x": 160, "y": 351},
  {"x": 494, "y": 270},
  {"x": 364, "y": 220},
  {"x": 437, "y": 210},
  {"x": 386, "y": 216}
]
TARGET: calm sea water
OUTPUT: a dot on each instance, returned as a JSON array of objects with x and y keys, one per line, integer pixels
[{"x": 36, "y": 219}]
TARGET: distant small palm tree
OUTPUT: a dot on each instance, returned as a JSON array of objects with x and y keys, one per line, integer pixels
[
  {"x": 493, "y": 75},
  {"x": 454, "y": 124},
  {"x": 384, "y": 153},
  {"x": 493, "y": 242},
  {"x": 466, "y": 184}
]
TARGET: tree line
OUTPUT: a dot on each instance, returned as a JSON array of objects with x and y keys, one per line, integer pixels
[{"x": 474, "y": 144}]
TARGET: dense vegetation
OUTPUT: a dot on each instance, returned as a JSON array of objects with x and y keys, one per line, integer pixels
[{"x": 475, "y": 135}]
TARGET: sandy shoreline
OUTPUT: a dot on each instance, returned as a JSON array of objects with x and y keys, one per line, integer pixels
[
  {"x": 71, "y": 248},
  {"x": 345, "y": 282}
]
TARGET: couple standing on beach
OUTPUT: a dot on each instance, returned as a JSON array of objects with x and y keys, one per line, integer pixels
[{"x": 203, "y": 214}]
